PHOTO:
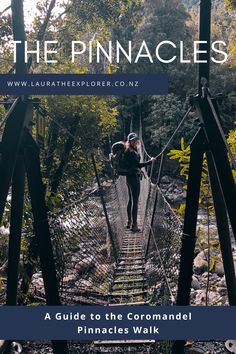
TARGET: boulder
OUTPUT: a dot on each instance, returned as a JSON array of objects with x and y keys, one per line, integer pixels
[
  {"x": 178, "y": 198},
  {"x": 37, "y": 276},
  {"x": 200, "y": 298},
  {"x": 204, "y": 275},
  {"x": 71, "y": 278},
  {"x": 222, "y": 282},
  {"x": 195, "y": 283},
  {"x": 3, "y": 270},
  {"x": 200, "y": 263},
  {"x": 83, "y": 283},
  {"x": 219, "y": 269},
  {"x": 222, "y": 291},
  {"x": 84, "y": 265},
  {"x": 4, "y": 231}
]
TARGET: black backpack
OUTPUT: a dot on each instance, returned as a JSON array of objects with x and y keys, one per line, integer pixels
[{"x": 118, "y": 158}]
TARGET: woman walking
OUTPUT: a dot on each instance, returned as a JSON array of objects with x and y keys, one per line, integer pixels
[{"x": 133, "y": 176}]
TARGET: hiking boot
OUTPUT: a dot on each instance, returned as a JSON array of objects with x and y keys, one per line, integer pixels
[
  {"x": 135, "y": 228},
  {"x": 128, "y": 225}
]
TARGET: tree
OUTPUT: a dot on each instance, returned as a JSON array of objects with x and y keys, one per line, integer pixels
[
  {"x": 78, "y": 125},
  {"x": 87, "y": 122},
  {"x": 165, "y": 114},
  {"x": 18, "y": 29}
]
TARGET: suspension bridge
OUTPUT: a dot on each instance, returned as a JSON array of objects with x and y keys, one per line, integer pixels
[
  {"x": 86, "y": 254},
  {"x": 99, "y": 261}
]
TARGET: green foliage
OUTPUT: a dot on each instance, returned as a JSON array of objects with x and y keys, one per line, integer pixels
[
  {"x": 211, "y": 246},
  {"x": 231, "y": 4},
  {"x": 94, "y": 11},
  {"x": 154, "y": 22},
  {"x": 231, "y": 140},
  {"x": 180, "y": 210},
  {"x": 206, "y": 240},
  {"x": 4, "y": 234},
  {"x": 5, "y": 35},
  {"x": 165, "y": 114},
  {"x": 183, "y": 157},
  {"x": 84, "y": 122},
  {"x": 2, "y": 117}
]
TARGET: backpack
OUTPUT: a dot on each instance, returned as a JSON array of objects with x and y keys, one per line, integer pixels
[{"x": 118, "y": 158}]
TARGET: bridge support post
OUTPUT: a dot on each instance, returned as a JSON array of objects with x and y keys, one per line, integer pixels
[
  {"x": 36, "y": 191},
  {"x": 110, "y": 233},
  {"x": 17, "y": 202},
  {"x": 208, "y": 115},
  {"x": 223, "y": 230},
  {"x": 210, "y": 139},
  {"x": 190, "y": 220},
  {"x": 189, "y": 229},
  {"x": 16, "y": 140},
  {"x": 10, "y": 145},
  {"x": 41, "y": 227},
  {"x": 17, "y": 206},
  {"x": 147, "y": 245}
]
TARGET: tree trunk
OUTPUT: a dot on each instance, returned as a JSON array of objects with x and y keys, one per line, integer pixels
[
  {"x": 64, "y": 158},
  {"x": 52, "y": 144},
  {"x": 28, "y": 270},
  {"x": 18, "y": 28},
  {"x": 44, "y": 25}
]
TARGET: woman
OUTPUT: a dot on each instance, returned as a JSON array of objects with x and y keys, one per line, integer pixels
[{"x": 132, "y": 161}]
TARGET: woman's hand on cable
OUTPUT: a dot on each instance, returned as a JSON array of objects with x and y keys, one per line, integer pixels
[{"x": 153, "y": 159}]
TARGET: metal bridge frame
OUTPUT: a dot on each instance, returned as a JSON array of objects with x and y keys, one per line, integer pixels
[
  {"x": 20, "y": 154},
  {"x": 109, "y": 229},
  {"x": 210, "y": 140}
]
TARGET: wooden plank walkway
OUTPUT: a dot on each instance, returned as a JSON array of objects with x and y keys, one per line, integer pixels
[
  {"x": 129, "y": 285},
  {"x": 129, "y": 288}
]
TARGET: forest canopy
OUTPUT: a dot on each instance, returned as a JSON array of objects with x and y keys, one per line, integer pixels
[{"x": 138, "y": 26}]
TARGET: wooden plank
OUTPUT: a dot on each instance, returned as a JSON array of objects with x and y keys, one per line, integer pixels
[
  {"x": 124, "y": 342},
  {"x": 128, "y": 294},
  {"x": 140, "y": 303},
  {"x": 131, "y": 259},
  {"x": 140, "y": 280},
  {"x": 131, "y": 268},
  {"x": 129, "y": 274},
  {"x": 130, "y": 287}
]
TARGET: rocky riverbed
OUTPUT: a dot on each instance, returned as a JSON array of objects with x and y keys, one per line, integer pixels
[{"x": 208, "y": 287}]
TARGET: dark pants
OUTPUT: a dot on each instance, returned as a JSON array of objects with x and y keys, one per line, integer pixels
[{"x": 133, "y": 183}]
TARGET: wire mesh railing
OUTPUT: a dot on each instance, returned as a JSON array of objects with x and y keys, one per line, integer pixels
[
  {"x": 116, "y": 201},
  {"x": 162, "y": 233},
  {"x": 80, "y": 237}
]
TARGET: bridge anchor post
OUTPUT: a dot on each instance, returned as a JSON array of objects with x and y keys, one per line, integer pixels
[
  {"x": 110, "y": 233},
  {"x": 19, "y": 151}
]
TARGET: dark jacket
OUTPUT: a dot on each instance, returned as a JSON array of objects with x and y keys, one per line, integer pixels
[{"x": 132, "y": 160}]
